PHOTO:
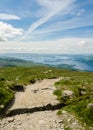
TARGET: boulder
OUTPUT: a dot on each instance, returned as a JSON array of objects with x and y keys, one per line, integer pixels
[{"x": 67, "y": 94}]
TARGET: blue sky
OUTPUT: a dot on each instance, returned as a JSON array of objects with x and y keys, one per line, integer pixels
[{"x": 46, "y": 26}]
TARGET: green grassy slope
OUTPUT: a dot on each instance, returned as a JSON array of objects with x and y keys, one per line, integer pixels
[
  {"x": 14, "y": 78},
  {"x": 79, "y": 84},
  {"x": 76, "y": 93}
]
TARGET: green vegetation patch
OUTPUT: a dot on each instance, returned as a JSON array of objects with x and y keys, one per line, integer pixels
[
  {"x": 15, "y": 78},
  {"x": 78, "y": 84},
  {"x": 76, "y": 92},
  {"x": 6, "y": 95}
]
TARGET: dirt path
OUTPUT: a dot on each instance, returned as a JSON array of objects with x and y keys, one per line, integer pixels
[{"x": 36, "y": 97}]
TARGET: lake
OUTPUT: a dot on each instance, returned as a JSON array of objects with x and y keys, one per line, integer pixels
[{"x": 81, "y": 62}]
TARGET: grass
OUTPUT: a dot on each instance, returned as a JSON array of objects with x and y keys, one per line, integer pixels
[
  {"x": 81, "y": 86},
  {"x": 6, "y": 95},
  {"x": 13, "y": 79}
]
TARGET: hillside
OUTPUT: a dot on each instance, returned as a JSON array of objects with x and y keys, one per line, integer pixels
[
  {"x": 74, "y": 91},
  {"x": 36, "y": 109},
  {"x": 65, "y": 61},
  {"x": 11, "y": 62}
]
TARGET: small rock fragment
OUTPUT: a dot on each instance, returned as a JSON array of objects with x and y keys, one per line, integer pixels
[
  {"x": 10, "y": 119},
  {"x": 90, "y": 105}
]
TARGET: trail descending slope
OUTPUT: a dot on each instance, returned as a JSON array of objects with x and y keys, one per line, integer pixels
[{"x": 37, "y": 97}]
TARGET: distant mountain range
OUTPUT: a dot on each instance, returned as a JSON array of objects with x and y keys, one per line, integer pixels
[
  {"x": 65, "y": 61},
  {"x": 13, "y": 62}
]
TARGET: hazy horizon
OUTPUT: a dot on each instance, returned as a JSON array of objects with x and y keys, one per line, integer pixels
[
  {"x": 67, "y": 61},
  {"x": 51, "y": 53}
]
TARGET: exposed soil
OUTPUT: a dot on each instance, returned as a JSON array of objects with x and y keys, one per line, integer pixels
[{"x": 36, "y": 108}]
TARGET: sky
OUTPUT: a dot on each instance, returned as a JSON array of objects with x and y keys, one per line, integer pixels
[{"x": 46, "y": 26}]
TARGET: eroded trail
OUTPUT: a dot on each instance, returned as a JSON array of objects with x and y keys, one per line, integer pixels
[
  {"x": 36, "y": 108},
  {"x": 35, "y": 95}
]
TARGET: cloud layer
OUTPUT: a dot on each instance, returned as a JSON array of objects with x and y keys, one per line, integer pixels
[
  {"x": 65, "y": 46},
  {"x": 8, "y": 31},
  {"x": 4, "y": 16}
]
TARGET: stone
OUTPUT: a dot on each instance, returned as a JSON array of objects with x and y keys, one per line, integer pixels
[
  {"x": 60, "y": 121},
  {"x": 69, "y": 120},
  {"x": 45, "y": 72},
  {"x": 67, "y": 93},
  {"x": 35, "y": 91},
  {"x": 10, "y": 119},
  {"x": 50, "y": 70},
  {"x": 64, "y": 112},
  {"x": 1, "y": 106},
  {"x": 83, "y": 92},
  {"x": 90, "y": 105},
  {"x": 41, "y": 122}
]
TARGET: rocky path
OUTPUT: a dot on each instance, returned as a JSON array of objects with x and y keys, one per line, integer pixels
[
  {"x": 35, "y": 95},
  {"x": 35, "y": 109}
]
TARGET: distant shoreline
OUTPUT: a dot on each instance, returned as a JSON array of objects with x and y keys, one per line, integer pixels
[{"x": 65, "y": 61}]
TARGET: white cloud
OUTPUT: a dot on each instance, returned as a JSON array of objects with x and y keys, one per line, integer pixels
[
  {"x": 64, "y": 46},
  {"x": 4, "y": 16},
  {"x": 65, "y": 25},
  {"x": 82, "y": 43},
  {"x": 50, "y": 9},
  {"x": 8, "y": 31},
  {"x": 78, "y": 12}
]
